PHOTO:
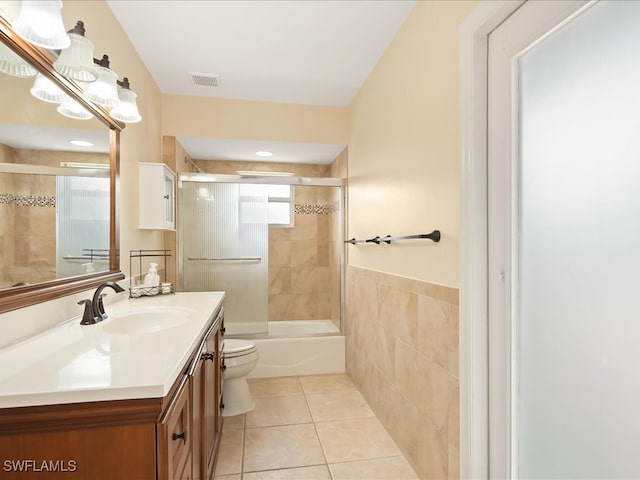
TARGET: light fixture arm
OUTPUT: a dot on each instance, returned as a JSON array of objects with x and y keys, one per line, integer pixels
[
  {"x": 78, "y": 29},
  {"x": 102, "y": 62},
  {"x": 124, "y": 83}
]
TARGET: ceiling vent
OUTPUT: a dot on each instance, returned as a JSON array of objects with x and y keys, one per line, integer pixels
[{"x": 205, "y": 79}]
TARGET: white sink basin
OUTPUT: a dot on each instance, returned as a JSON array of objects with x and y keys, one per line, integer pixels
[{"x": 146, "y": 320}]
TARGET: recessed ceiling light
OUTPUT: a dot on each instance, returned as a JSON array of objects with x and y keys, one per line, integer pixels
[
  {"x": 81, "y": 143},
  {"x": 264, "y": 154}
]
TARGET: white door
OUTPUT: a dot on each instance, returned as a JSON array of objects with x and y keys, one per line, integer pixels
[{"x": 564, "y": 241}]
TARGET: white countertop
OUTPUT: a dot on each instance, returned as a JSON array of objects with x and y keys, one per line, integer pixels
[{"x": 72, "y": 363}]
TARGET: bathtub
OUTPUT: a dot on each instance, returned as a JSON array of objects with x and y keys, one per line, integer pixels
[{"x": 299, "y": 347}]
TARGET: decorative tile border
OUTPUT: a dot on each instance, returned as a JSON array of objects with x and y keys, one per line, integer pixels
[
  {"x": 314, "y": 209},
  {"x": 27, "y": 200}
]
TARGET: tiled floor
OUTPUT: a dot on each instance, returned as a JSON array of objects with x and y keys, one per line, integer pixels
[{"x": 314, "y": 427}]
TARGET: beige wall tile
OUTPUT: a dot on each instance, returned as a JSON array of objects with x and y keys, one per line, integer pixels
[
  {"x": 303, "y": 306},
  {"x": 453, "y": 340},
  {"x": 304, "y": 278},
  {"x": 453, "y": 427},
  {"x": 304, "y": 252},
  {"x": 433, "y": 321},
  {"x": 406, "y": 369},
  {"x": 356, "y": 439},
  {"x": 306, "y": 227},
  {"x": 279, "y": 305},
  {"x": 454, "y": 463},
  {"x": 279, "y": 280},
  {"x": 406, "y": 381},
  {"x": 433, "y": 451},
  {"x": 405, "y": 420},
  {"x": 391, "y": 468},
  {"x": 435, "y": 386},
  {"x": 398, "y": 313},
  {"x": 279, "y": 252}
]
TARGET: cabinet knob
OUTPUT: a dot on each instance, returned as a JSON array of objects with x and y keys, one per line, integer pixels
[
  {"x": 221, "y": 406},
  {"x": 223, "y": 329},
  {"x": 223, "y": 367},
  {"x": 166, "y": 197},
  {"x": 182, "y": 435}
]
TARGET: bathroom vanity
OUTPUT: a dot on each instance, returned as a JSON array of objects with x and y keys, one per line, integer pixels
[{"x": 137, "y": 396}]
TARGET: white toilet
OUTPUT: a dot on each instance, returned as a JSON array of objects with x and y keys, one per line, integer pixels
[{"x": 240, "y": 357}]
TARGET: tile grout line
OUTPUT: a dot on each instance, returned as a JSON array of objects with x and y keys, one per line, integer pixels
[{"x": 315, "y": 429}]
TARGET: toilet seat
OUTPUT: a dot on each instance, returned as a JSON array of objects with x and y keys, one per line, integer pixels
[{"x": 237, "y": 348}]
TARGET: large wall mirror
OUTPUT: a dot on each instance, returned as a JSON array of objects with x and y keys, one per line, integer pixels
[{"x": 58, "y": 200}]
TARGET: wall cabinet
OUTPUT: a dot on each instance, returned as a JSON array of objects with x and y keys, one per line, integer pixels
[
  {"x": 156, "y": 202},
  {"x": 175, "y": 437}
]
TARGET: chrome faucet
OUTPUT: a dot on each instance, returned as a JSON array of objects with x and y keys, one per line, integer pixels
[{"x": 94, "y": 309}]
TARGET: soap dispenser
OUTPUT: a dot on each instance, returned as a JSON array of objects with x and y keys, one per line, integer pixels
[{"x": 152, "y": 279}]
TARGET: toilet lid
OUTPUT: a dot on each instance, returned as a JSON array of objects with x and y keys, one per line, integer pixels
[{"x": 234, "y": 347}]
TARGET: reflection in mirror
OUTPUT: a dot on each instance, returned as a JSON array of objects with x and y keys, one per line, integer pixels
[
  {"x": 55, "y": 215},
  {"x": 54, "y": 195}
]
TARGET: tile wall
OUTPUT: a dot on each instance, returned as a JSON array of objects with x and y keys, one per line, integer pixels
[
  {"x": 402, "y": 353},
  {"x": 28, "y": 214}
]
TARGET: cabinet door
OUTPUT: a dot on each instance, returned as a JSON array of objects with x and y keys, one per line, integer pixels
[
  {"x": 156, "y": 188},
  {"x": 175, "y": 437},
  {"x": 168, "y": 197},
  {"x": 211, "y": 373},
  {"x": 197, "y": 408}
]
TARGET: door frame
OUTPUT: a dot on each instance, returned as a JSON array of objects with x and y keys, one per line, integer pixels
[
  {"x": 475, "y": 341},
  {"x": 473, "y": 82}
]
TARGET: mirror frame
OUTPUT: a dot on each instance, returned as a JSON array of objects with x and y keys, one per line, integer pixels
[{"x": 19, "y": 297}]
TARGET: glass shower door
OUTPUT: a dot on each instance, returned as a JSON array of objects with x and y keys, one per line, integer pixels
[{"x": 225, "y": 247}]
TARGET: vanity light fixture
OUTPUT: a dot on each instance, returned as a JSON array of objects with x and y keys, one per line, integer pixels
[
  {"x": 264, "y": 153},
  {"x": 127, "y": 110},
  {"x": 47, "y": 91},
  {"x": 72, "y": 109},
  {"x": 13, "y": 64},
  {"x": 76, "y": 62},
  {"x": 104, "y": 90},
  {"x": 40, "y": 23}
]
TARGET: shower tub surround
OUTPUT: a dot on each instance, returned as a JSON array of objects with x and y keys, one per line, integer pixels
[{"x": 304, "y": 347}]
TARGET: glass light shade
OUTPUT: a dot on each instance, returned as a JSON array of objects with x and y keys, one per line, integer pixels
[
  {"x": 13, "y": 64},
  {"x": 40, "y": 23},
  {"x": 72, "y": 109},
  {"x": 127, "y": 110},
  {"x": 104, "y": 90},
  {"x": 44, "y": 89},
  {"x": 76, "y": 62}
]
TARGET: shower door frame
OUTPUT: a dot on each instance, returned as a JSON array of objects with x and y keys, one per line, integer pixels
[{"x": 265, "y": 179}]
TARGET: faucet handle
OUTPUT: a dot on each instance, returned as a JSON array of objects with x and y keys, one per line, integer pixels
[
  {"x": 101, "y": 312},
  {"x": 87, "y": 316}
]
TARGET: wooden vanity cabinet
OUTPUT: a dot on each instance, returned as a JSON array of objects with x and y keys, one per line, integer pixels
[
  {"x": 175, "y": 437},
  {"x": 206, "y": 393}
]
